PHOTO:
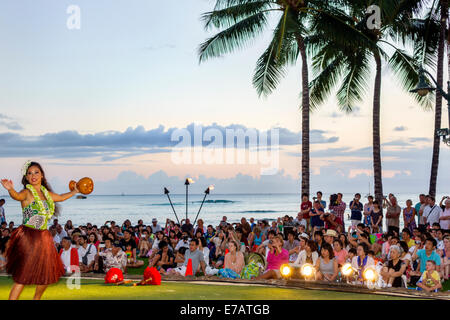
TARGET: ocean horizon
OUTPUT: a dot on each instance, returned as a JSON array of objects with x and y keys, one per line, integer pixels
[{"x": 100, "y": 208}]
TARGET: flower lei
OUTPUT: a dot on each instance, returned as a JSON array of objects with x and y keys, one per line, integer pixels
[
  {"x": 25, "y": 167},
  {"x": 40, "y": 204}
]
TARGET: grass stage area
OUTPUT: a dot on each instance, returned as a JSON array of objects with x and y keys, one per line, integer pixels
[{"x": 92, "y": 289}]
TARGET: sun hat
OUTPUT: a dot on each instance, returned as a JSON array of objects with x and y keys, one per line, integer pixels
[{"x": 331, "y": 233}]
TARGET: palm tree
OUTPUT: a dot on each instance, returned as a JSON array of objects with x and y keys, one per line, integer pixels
[
  {"x": 438, "y": 106},
  {"x": 343, "y": 52},
  {"x": 243, "y": 20}
]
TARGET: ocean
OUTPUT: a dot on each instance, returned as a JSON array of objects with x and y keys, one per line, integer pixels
[{"x": 99, "y": 208}]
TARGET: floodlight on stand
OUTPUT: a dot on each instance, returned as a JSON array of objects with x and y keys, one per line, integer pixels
[
  {"x": 308, "y": 271},
  {"x": 286, "y": 271}
]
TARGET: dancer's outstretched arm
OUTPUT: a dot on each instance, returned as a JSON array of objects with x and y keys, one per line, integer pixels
[{"x": 9, "y": 185}]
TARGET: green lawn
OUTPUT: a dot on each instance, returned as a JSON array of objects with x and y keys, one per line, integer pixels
[{"x": 97, "y": 290}]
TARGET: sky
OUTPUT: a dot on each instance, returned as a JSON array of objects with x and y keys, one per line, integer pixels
[{"x": 104, "y": 101}]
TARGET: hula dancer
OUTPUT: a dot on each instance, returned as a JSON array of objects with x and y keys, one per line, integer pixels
[{"x": 31, "y": 255}]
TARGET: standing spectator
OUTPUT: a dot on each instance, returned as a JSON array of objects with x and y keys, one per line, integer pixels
[
  {"x": 420, "y": 206},
  {"x": 155, "y": 226},
  {"x": 409, "y": 216},
  {"x": 305, "y": 208},
  {"x": 56, "y": 238},
  {"x": 444, "y": 218},
  {"x": 323, "y": 203},
  {"x": 376, "y": 216},
  {"x": 69, "y": 256},
  {"x": 333, "y": 222},
  {"x": 338, "y": 208},
  {"x": 393, "y": 212},
  {"x": 432, "y": 212},
  {"x": 316, "y": 214},
  {"x": 2, "y": 211},
  {"x": 368, "y": 207},
  {"x": 356, "y": 208}
]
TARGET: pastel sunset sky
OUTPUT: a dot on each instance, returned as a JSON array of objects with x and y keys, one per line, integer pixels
[{"x": 102, "y": 101}]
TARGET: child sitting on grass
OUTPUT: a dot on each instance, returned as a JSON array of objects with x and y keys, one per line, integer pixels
[{"x": 430, "y": 281}]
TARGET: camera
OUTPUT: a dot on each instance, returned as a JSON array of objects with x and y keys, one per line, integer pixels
[{"x": 333, "y": 199}]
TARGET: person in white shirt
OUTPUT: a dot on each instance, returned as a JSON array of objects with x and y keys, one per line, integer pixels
[
  {"x": 60, "y": 231},
  {"x": 155, "y": 226},
  {"x": 362, "y": 260},
  {"x": 69, "y": 256},
  {"x": 432, "y": 212},
  {"x": 2, "y": 211},
  {"x": 86, "y": 250},
  {"x": 309, "y": 255}
]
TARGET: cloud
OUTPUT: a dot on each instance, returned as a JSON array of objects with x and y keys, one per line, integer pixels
[
  {"x": 400, "y": 128},
  {"x": 9, "y": 123},
  {"x": 356, "y": 113},
  {"x": 113, "y": 145}
]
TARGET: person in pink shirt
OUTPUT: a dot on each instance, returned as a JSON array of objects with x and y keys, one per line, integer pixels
[
  {"x": 276, "y": 258},
  {"x": 444, "y": 218},
  {"x": 339, "y": 252}
]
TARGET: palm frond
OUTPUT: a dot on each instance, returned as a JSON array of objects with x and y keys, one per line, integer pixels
[
  {"x": 406, "y": 69},
  {"x": 225, "y": 18},
  {"x": 234, "y": 37}
]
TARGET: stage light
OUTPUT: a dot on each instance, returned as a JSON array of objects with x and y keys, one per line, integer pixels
[
  {"x": 285, "y": 271},
  {"x": 307, "y": 270},
  {"x": 370, "y": 274},
  {"x": 347, "y": 270}
]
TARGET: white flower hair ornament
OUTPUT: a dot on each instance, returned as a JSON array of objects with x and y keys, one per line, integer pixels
[{"x": 25, "y": 167}]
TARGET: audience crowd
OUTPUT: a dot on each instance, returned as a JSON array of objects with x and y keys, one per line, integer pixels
[{"x": 416, "y": 255}]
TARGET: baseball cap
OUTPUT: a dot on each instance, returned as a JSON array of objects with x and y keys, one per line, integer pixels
[
  {"x": 154, "y": 220},
  {"x": 117, "y": 244}
]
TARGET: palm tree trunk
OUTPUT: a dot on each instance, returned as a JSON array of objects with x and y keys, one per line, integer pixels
[
  {"x": 305, "y": 116},
  {"x": 438, "y": 107},
  {"x": 377, "y": 172}
]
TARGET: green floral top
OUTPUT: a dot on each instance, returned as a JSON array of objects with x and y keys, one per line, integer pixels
[{"x": 37, "y": 213}]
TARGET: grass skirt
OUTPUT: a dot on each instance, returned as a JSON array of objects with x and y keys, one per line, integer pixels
[{"x": 31, "y": 257}]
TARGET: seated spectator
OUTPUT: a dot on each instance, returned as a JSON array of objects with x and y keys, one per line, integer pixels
[
  {"x": 277, "y": 256},
  {"x": 430, "y": 280},
  {"x": 234, "y": 262},
  {"x": 144, "y": 244},
  {"x": 326, "y": 266},
  {"x": 3, "y": 243},
  {"x": 195, "y": 256},
  {"x": 86, "y": 254},
  {"x": 362, "y": 260},
  {"x": 164, "y": 259},
  {"x": 309, "y": 255},
  {"x": 114, "y": 258},
  {"x": 394, "y": 269},
  {"x": 339, "y": 252},
  {"x": 69, "y": 256},
  {"x": 264, "y": 247},
  {"x": 429, "y": 253},
  {"x": 291, "y": 245},
  {"x": 445, "y": 258},
  {"x": 256, "y": 238},
  {"x": 92, "y": 239}
]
